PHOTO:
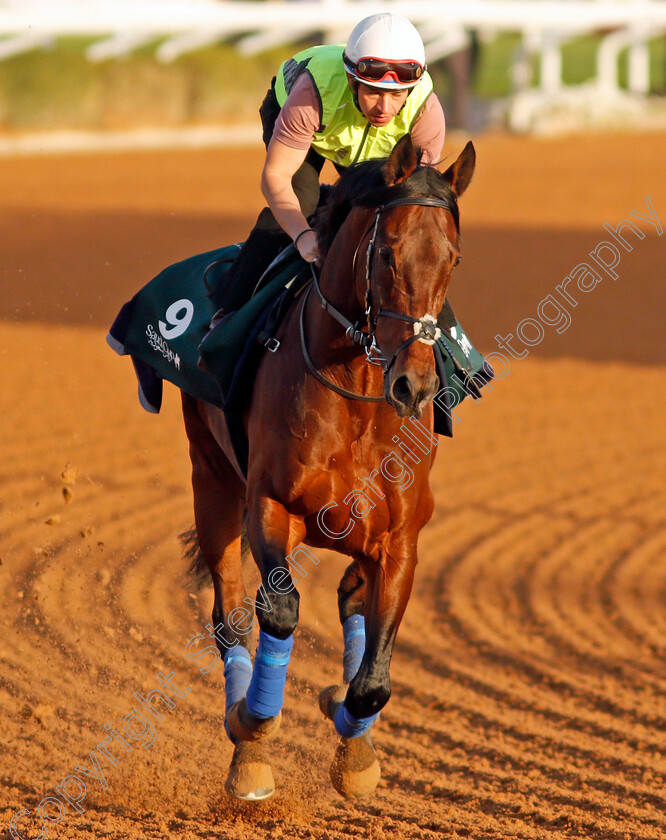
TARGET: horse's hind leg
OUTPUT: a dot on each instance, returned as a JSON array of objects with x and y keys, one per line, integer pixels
[
  {"x": 355, "y": 769},
  {"x": 219, "y": 500}
]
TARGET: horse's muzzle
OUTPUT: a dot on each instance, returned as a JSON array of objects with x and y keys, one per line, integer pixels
[{"x": 409, "y": 394}]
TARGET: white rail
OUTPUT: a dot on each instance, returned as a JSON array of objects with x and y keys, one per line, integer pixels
[
  {"x": 101, "y": 17},
  {"x": 186, "y": 25}
]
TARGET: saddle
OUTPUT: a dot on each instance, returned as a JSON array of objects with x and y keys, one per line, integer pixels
[{"x": 166, "y": 329}]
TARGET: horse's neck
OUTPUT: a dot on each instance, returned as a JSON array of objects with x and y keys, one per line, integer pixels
[{"x": 337, "y": 282}]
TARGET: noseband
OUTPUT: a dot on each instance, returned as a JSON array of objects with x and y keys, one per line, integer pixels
[{"x": 425, "y": 328}]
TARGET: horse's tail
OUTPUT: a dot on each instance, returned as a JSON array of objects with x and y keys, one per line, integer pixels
[{"x": 198, "y": 567}]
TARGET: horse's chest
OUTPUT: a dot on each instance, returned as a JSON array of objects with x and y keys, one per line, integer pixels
[{"x": 360, "y": 496}]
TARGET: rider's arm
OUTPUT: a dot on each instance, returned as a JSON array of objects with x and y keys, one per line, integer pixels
[
  {"x": 294, "y": 130},
  {"x": 281, "y": 164},
  {"x": 428, "y": 131}
]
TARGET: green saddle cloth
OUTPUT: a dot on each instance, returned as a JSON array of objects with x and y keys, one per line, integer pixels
[
  {"x": 162, "y": 326},
  {"x": 462, "y": 372}
]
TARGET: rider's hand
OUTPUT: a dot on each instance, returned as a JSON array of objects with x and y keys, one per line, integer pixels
[{"x": 307, "y": 246}]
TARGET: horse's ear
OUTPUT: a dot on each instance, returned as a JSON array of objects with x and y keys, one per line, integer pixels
[
  {"x": 459, "y": 174},
  {"x": 402, "y": 161}
]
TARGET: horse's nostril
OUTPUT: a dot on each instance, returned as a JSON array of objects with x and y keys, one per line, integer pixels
[{"x": 401, "y": 390}]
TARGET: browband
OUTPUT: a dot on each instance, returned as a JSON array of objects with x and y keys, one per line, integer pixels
[{"x": 422, "y": 200}]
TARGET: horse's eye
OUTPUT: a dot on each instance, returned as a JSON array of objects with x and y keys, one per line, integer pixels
[
  {"x": 386, "y": 255},
  {"x": 458, "y": 258}
]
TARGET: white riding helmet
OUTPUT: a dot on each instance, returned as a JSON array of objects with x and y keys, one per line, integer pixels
[{"x": 385, "y": 51}]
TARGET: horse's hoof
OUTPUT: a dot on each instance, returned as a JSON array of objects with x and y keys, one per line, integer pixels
[
  {"x": 355, "y": 769},
  {"x": 330, "y": 698},
  {"x": 246, "y": 727},
  {"x": 250, "y": 776}
]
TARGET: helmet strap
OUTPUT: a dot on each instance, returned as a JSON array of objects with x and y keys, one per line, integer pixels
[{"x": 353, "y": 84}]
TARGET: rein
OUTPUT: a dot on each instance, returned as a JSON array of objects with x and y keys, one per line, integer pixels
[
  {"x": 425, "y": 328},
  {"x": 306, "y": 356}
]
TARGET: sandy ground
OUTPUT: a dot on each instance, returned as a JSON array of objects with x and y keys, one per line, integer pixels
[{"x": 529, "y": 694}]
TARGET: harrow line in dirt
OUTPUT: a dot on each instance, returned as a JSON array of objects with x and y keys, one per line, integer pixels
[{"x": 473, "y": 753}]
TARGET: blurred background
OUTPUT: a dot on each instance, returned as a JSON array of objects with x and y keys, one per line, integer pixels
[{"x": 529, "y": 66}]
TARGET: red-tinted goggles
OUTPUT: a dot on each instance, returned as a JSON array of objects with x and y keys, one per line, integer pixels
[{"x": 377, "y": 70}]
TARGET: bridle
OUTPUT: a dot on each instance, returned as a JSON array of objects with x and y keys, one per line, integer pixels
[{"x": 425, "y": 328}]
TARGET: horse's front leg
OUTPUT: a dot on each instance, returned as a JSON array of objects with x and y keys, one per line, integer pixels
[
  {"x": 388, "y": 587},
  {"x": 355, "y": 768},
  {"x": 351, "y": 607},
  {"x": 388, "y": 584},
  {"x": 385, "y": 587},
  {"x": 272, "y": 534}
]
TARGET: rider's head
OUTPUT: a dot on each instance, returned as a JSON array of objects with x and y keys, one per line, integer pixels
[
  {"x": 386, "y": 52},
  {"x": 384, "y": 59}
]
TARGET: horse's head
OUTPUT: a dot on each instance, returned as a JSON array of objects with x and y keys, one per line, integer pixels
[
  {"x": 400, "y": 222},
  {"x": 412, "y": 252}
]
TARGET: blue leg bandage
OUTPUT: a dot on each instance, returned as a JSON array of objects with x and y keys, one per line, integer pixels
[
  {"x": 348, "y": 726},
  {"x": 237, "y": 676},
  {"x": 265, "y": 695},
  {"x": 353, "y": 631}
]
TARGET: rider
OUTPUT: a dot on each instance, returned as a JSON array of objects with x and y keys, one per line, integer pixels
[{"x": 342, "y": 103}]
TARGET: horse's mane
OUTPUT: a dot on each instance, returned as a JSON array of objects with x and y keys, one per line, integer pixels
[{"x": 364, "y": 185}]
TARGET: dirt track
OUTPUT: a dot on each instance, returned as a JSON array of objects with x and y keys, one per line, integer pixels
[{"x": 529, "y": 694}]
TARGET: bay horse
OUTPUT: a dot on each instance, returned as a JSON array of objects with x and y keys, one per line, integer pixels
[{"x": 322, "y": 423}]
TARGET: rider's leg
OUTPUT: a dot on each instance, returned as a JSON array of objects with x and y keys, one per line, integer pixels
[{"x": 263, "y": 244}]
